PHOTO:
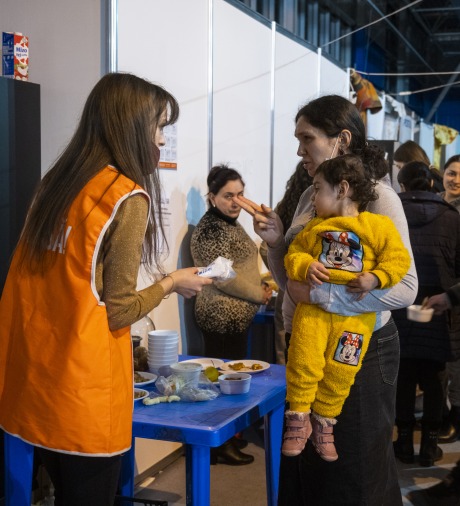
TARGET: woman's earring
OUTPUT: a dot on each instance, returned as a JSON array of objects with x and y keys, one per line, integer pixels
[{"x": 341, "y": 150}]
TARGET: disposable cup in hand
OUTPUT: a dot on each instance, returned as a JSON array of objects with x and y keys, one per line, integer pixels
[{"x": 417, "y": 314}]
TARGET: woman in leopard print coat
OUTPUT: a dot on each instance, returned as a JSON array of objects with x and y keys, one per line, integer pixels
[{"x": 224, "y": 310}]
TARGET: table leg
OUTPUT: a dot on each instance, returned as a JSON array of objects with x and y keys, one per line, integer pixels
[
  {"x": 198, "y": 475},
  {"x": 273, "y": 425},
  {"x": 127, "y": 472},
  {"x": 19, "y": 459}
]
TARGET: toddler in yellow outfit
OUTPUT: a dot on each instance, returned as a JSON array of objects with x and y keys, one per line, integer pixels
[{"x": 343, "y": 244}]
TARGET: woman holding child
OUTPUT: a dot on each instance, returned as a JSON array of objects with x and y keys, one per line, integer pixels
[{"x": 365, "y": 472}]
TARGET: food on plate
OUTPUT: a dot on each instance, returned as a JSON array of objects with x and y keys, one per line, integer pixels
[
  {"x": 238, "y": 366},
  {"x": 211, "y": 373},
  {"x": 138, "y": 378},
  {"x": 138, "y": 395}
]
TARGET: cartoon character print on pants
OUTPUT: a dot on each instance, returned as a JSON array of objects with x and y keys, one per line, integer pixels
[
  {"x": 348, "y": 348},
  {"x": 342, "y": 250}
]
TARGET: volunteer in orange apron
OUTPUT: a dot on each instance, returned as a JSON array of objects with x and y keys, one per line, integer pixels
[{"x": 66, "y": 378}]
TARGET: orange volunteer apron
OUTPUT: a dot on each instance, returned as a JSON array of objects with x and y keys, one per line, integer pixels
[{"x": 66, "y": 380}]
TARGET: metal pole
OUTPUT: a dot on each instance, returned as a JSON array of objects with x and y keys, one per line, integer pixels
[
  {"x": 112, "y": 46},
  {"x": 272, "y": 111},
  {"x": 442, "y": 95},
  {"x": 210, "y": 82}
]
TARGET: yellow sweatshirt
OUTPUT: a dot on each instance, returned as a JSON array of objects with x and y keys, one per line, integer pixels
[{"x": 350, "y": 245}]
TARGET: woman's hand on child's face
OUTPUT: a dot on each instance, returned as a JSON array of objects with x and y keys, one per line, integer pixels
[
  {"x": 267, "y": 224},
  {"x": 298, "y": 291},
  {"x": 317, "y": 273}
]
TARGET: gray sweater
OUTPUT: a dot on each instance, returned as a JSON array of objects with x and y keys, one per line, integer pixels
[{"x": 335, "y": 298}]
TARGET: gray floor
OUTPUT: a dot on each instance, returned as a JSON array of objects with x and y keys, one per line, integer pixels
[
  {"x": 413, "y": 477},
  {"x": 246, "y": 484},
  {"x": 230, "y": 485}
]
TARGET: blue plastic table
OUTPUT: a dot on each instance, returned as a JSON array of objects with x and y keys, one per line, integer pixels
[
  {"x": 203, "y": 425},
  {"x": 265, "y": 316},
  {"x": 199, "y": 426}
]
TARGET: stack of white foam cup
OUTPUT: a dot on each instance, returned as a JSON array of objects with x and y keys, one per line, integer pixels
[{"x": 162, "y": 349}]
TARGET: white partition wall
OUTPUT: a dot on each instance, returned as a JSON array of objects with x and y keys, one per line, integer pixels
[
  {"x": 241, "y": 99},
  {"x": 376, "y": 121},
  {"x": 426, "y": 139},
  {"x": 333, "y": 79},
  {"x": 452, "y": 148},
  {"x": 65, "y": 60},
  {"x": 296, "y": 82}
]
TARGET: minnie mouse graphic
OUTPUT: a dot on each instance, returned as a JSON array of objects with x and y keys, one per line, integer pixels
[
  {"x": 349, "y": 348},
  {"x": 341, "y": 250}
]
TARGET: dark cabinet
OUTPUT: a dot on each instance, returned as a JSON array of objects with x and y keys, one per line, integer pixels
[{"x": 20, "y": 160}]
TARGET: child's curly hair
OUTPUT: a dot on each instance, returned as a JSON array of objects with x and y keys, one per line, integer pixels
[{"x": 350, "y": 168}]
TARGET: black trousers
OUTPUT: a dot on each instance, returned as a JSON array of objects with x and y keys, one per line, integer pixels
[
  {"x": 429, "y": 375},
  {"x": 82, "y": 481}
]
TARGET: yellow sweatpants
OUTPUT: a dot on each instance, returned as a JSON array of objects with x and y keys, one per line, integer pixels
[{"x": 325, "y": 353}]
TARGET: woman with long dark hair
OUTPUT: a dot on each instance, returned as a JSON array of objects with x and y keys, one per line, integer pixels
[{"x": 66, "y": 380}]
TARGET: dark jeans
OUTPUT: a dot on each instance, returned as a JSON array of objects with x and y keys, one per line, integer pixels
[
  {"x": 365, "y": 472},
  {"x": 429, "y": 375},
  {"x": 78, "y": 480},
  {"x": 232, "y": 345}
]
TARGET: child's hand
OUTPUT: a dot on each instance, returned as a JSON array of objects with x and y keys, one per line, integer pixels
[
  {"x": 363, "y": 284},
  {"x": 317, "y": 273}
]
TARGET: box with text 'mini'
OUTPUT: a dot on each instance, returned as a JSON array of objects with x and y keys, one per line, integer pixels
[{"x": 15, "y": 56}]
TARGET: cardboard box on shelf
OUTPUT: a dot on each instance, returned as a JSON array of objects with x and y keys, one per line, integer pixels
[{"x": 15, "y": 56}]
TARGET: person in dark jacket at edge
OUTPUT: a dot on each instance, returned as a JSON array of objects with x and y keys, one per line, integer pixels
[
  {"x": 434, "y": 229},
  {"x": 447, "y": 492}
]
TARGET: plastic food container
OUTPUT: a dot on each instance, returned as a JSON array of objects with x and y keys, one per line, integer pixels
[
  {"x": 189, "y": 371},
  {"x": 417, "y": 314},
  {"x": 235, "y": 383}
]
